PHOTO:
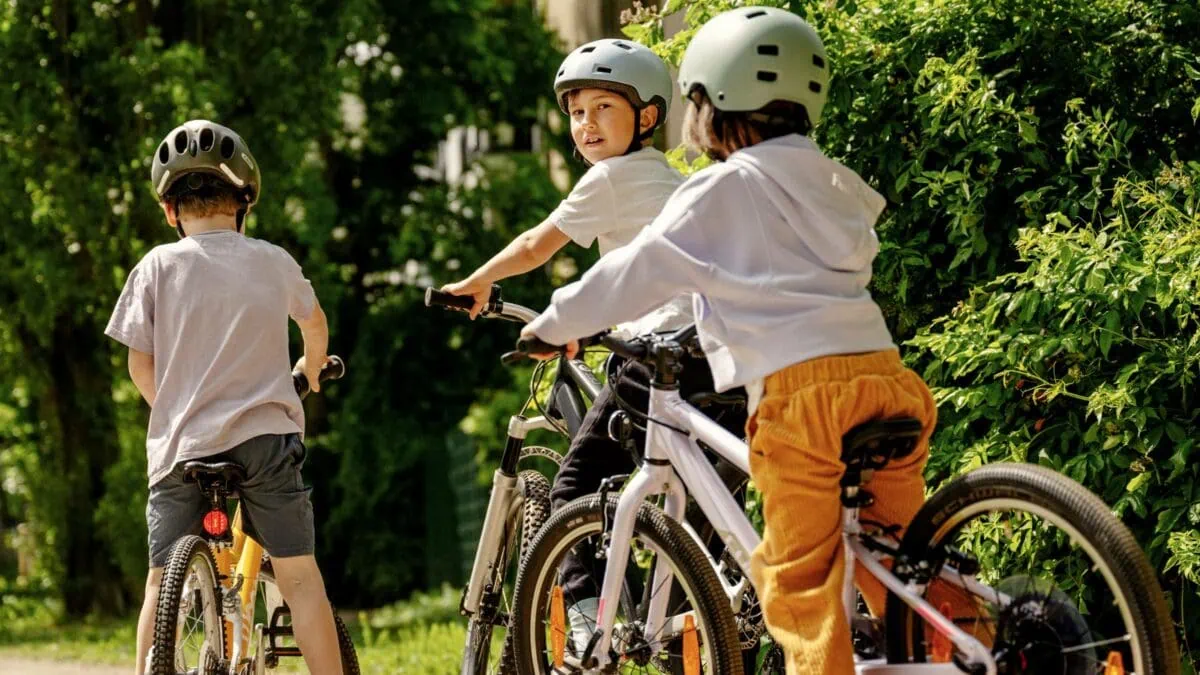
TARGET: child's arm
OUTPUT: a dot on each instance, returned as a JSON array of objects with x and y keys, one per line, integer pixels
[
  {"x": 315, "y": 330},
  {"x": 622, "y": 286},
  {"x": 141, "y": 371},
  {"x": 530, "y": 250}
]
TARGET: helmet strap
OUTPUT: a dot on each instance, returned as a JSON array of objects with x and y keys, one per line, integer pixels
[
  {"x": 178, "y": 220},
  {"x": 241, "y": 218}
]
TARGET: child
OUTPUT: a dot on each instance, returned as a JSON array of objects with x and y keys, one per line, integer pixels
[
  {"x": 776, "y": 243},
  {"x": 616, "y": 93},
  {"x": 206, "y": 323}
]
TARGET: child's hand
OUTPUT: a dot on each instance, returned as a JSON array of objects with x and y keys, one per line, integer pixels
[
  {"x": 312, "y": 370},
  {"x": 571, "y": 348},
  {"x": 480, "y": 291}
]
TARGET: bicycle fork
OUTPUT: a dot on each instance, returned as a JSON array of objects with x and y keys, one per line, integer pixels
[{"x": 503, "y": 502}]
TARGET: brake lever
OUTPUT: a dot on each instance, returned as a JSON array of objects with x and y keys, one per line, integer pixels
[{"x": 511, "y": 358}]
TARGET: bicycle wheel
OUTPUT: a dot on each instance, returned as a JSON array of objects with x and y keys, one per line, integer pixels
[
  {"x": 268, "y": 599},
  {"x": 188, "y": 634},
  {"x": 539, "y": 601},
  {"x": 1066, "y": 588},
  {"x": 477, "y": 654}
]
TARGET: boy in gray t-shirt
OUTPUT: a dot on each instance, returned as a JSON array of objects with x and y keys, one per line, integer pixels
[{"x": 206, "y": 323}]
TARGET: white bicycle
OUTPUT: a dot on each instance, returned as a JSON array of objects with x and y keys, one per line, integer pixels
[{"x": 1104, "y": 614}]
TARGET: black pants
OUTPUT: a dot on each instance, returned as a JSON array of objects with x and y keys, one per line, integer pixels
[{"x": 593, "y": 456}]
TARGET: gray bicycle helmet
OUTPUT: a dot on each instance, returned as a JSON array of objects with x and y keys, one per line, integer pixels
[
  {"x": 200, "y": 148},
  {"x": 628, "y": 68},
  {"x": 748, "y": 57}
]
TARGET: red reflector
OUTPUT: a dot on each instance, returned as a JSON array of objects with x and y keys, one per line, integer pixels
[{"x": 216, "y": 523}]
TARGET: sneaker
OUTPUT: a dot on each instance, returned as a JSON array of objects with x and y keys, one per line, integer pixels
[{"x": 582, "y": 617}]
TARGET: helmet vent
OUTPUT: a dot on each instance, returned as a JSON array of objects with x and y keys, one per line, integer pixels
[
  {"x": 603, "y": 69},
  {"x": 767, "y": 76},
  {"x": 207, "y": 138},
  {"x": 560, "y": 73},
  {"x": 227, "y": 147},
  {"x": 624, "y": 46},
  {"x": 181, "y": 141},
  {"x": 755, "y": 15},
  {"x": 814, "y": 87},
  {"x": 768, "y": 50},
  {"x": 164, "y": 153},
  {"x": 588, "y": 50},
  {"x": 818, "y": 61}
]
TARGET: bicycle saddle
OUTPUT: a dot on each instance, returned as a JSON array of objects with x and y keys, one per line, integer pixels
[
  {"x": 213, "y": 476},
  {"x": 871, "y": 445}
]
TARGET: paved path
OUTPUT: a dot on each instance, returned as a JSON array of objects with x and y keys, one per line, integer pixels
[{"x": 22, "y": 666}]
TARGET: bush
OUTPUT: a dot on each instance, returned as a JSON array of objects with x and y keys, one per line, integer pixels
[{"x": 1040, "y": 237}]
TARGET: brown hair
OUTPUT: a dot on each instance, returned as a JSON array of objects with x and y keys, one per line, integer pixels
[
  {"x": 213, "y": 197},
  {"x": 719, "y": 133}
]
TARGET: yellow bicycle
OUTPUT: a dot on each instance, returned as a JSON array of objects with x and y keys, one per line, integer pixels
[{"x": 219, "y": 608}]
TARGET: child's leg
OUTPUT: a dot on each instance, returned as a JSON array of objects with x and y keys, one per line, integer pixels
[
  {"x": 795, "y": 459},
  {"x": 277, "y": 513},
  {"x": 592, "y": 457},
  {"x": 899, "y": 493},
  {"x": 312, "y": 617},
  {"x": 174, "y": 510},
  {"x": 798, "y": 568},
  {"x": 899, "y": 489},
  {"x": 145, "y": 629}
]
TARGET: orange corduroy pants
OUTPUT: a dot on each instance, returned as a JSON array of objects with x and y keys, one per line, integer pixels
[{"x": 795, "y": 460}]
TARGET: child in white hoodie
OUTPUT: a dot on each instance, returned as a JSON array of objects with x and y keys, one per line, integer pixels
[{"x": 776, "y": 243}]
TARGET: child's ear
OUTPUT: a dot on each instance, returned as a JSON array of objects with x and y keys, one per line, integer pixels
[
  {"x": 649, "y": 117},
  {"x": 169, "y": 211}
]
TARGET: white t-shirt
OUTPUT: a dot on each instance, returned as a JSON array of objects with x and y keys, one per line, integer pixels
[
  {"x": 611, "y": 204},
  {"x": 213, "y": 310}
]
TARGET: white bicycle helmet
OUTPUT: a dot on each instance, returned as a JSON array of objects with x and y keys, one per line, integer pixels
[
  {"x": 748, "y": 57},
  {"x": 628, "y": 68}
]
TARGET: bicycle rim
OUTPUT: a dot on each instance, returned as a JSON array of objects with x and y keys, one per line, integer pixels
[
  {"x": 713, "y": 639},
  {"x": 1058, "y": 598}
]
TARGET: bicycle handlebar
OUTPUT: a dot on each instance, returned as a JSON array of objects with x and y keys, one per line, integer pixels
[
  {"x": 494, "y": 309},
  {"x": 463, "y": 303},
  {"x": 334, "y": 370}
]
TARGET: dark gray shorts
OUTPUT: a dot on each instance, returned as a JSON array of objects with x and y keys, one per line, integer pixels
[{"x": 276, "y": 510}]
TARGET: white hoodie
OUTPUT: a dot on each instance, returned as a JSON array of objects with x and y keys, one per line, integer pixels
[{"x": 776, "y": 245}]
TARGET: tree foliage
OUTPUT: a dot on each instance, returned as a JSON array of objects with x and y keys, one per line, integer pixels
[
  {"x": 1038, "y": 245},
  {"x": 343, "y": 103}
]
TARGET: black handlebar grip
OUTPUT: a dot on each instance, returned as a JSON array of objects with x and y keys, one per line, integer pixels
[
  {"x": 334, "y": 370},
  {"x": 448, "y": 300},
  {"x": 535, "y": 345}
]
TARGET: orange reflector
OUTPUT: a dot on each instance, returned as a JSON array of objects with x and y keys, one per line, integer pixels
[
  {"x": 558, "y": 626},
  {"x": 691, "y": 647},
  {"x": 942, "y": 648},
  {"x": 216, "y": 523},
  {"x": 1115, "y": 665}
]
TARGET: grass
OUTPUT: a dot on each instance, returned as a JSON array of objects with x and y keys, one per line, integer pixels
[{"x": 421, "y": 635}]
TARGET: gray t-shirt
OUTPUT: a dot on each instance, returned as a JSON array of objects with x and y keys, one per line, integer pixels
[{"x": 213, "y": 310}]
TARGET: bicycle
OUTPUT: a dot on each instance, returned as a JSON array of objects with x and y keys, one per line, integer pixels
[
  {"x": 215, "y": 586},
  {"x": 520, "y": 500},
  {"x": 527, "y": 493},
  {"x": 1016, "y": 620}
]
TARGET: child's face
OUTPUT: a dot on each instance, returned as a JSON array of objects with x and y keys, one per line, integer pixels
[{"x": 602, "y": 123}]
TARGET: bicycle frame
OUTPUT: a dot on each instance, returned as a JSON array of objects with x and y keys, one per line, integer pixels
[
  {"x": 674, "y": 465},
  {"x": 573, "y": 381},
  {"x": 238, "y": 564}
]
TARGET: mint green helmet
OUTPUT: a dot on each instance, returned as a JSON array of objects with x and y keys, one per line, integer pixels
[
  {"x": 748, "y": 57},
  {"x": 624, "y": 66}
]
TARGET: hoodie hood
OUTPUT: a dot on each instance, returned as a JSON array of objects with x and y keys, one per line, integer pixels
[{"x": 831, "y": 209}]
